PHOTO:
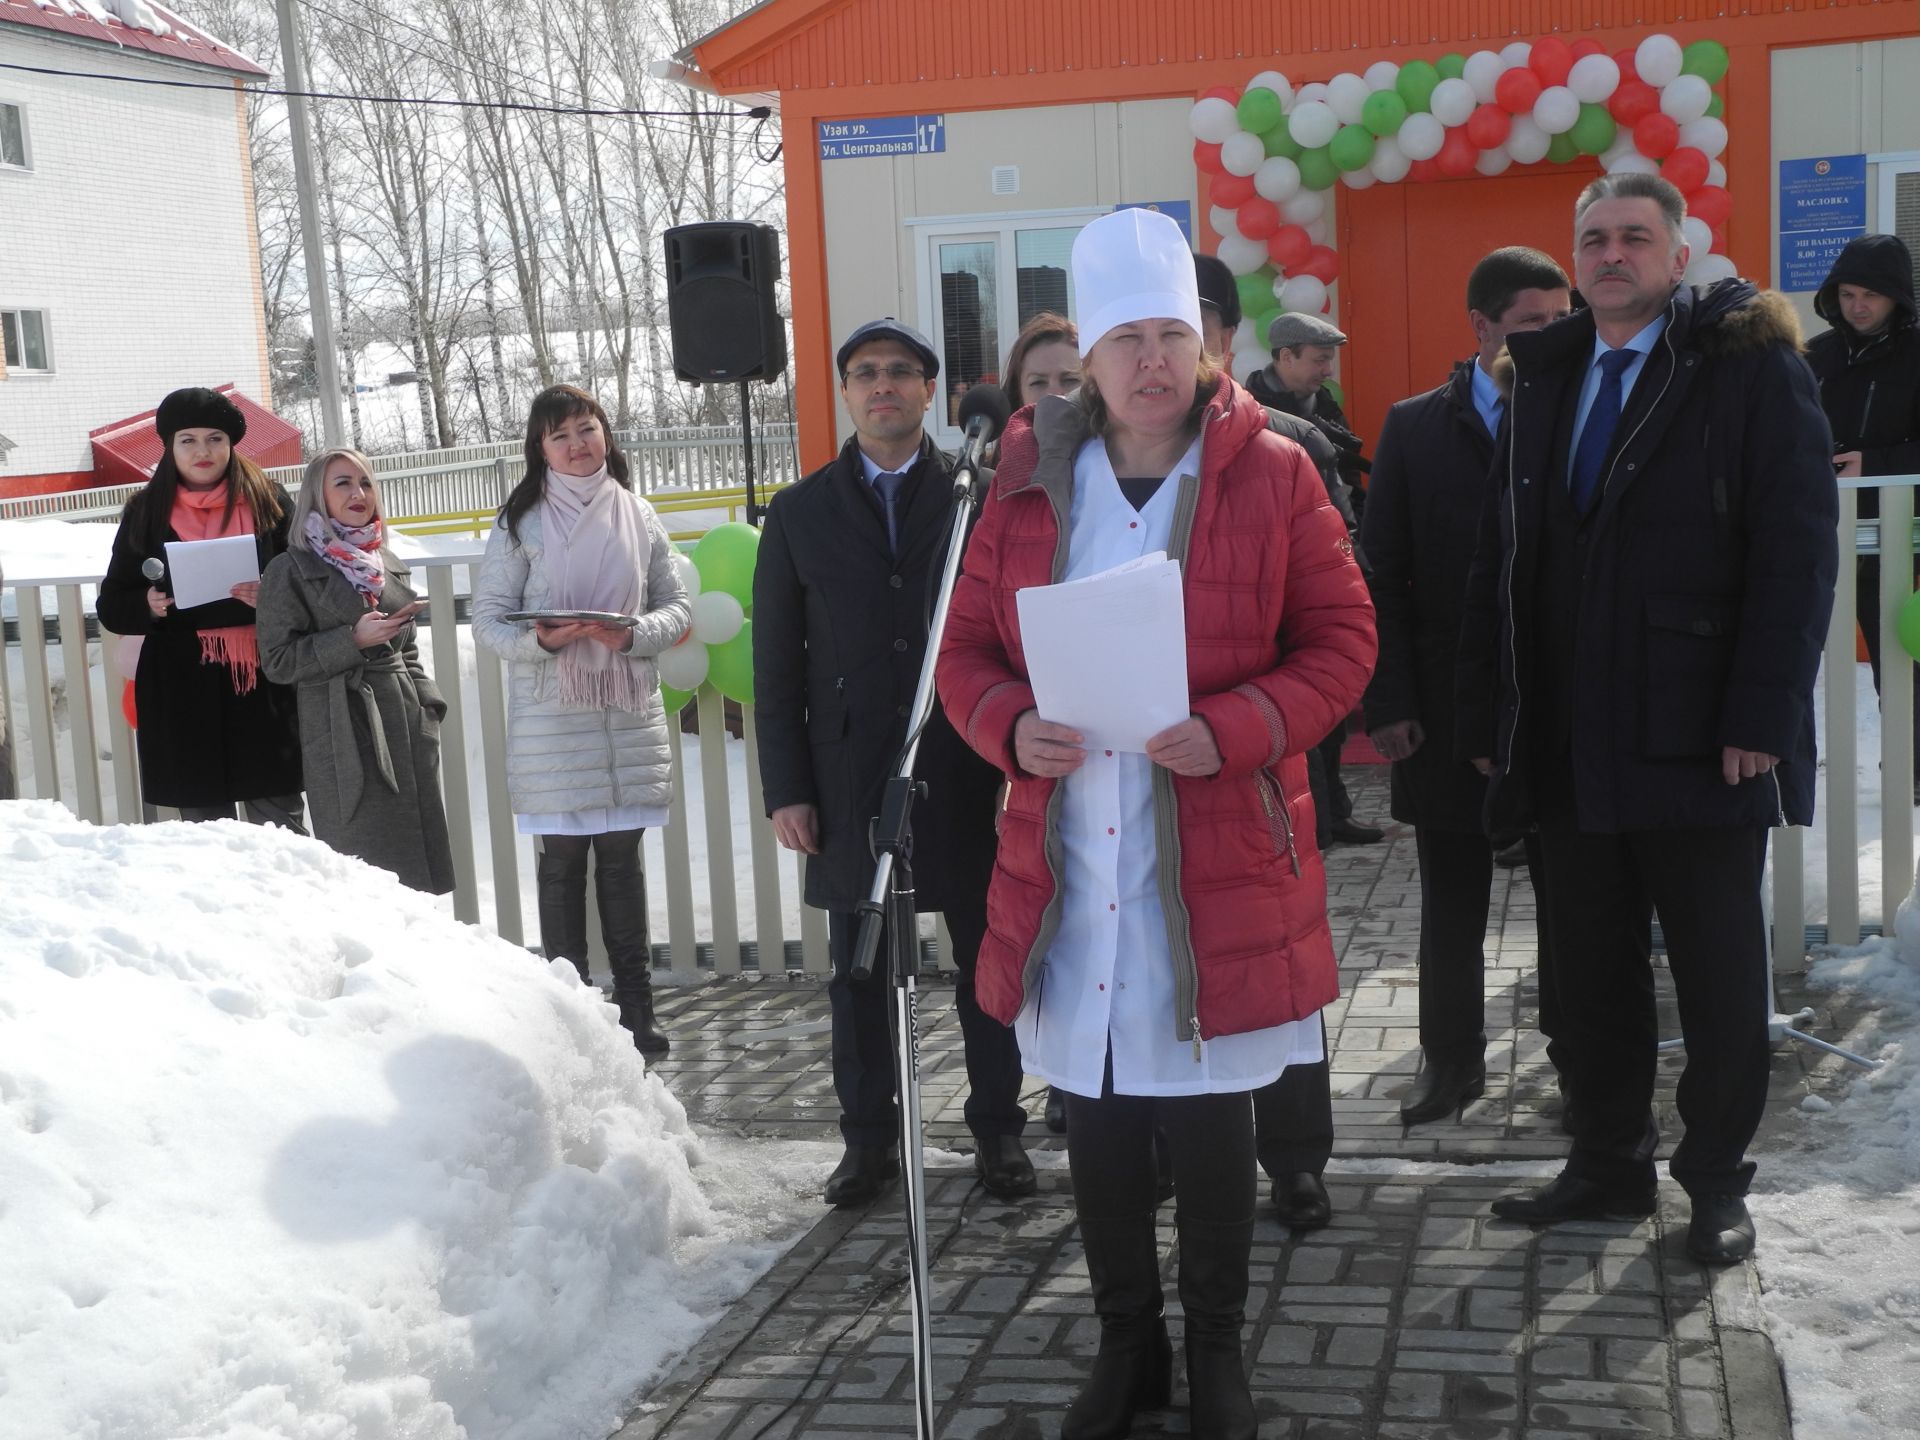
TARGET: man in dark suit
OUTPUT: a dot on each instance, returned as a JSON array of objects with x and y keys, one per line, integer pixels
[
  {"x": 841, "y": 599},
  {"x": 1645, "y": 617},
  {"x": 1429, "y": 485}
]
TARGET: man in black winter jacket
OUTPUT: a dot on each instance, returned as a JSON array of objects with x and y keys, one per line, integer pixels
[
  {"x": 1868, "y": 366},
  {"x": 1645, "y": 617}
]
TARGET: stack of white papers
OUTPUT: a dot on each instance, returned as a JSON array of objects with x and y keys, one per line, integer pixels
[
  {"x": 207, "y": 570},
  {"x": 1107, "y": 653}
]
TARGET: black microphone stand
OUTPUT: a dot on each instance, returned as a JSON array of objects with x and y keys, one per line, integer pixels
[{"x": 889, "y": 906}]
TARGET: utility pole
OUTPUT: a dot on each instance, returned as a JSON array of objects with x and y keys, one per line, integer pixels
[{"x": 325, "y": 353}]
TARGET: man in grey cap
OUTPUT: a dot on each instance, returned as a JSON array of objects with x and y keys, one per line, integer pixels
[{"x": 841, "y": 593}]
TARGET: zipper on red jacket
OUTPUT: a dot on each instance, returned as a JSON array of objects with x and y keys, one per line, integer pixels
[{"x": 1279, "y": 823}]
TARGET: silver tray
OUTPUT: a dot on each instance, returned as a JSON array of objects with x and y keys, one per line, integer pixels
[{"x": 562, "y": 617}]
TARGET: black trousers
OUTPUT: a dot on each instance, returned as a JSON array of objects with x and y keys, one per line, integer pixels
[
  {"x": 1602, "y": 891},
  {"x": 1866, "y": 608},
  {"x": 1110, "y": 1153},
  {"x": 286, "y": 811},
  {"x": 1331, "y": 801},
  {"x": 863, "y": 1052},
  {"x": 1293, "y": 1118}
]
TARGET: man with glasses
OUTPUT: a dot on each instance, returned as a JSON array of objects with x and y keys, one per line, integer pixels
[{"x": 841, "y": 600}]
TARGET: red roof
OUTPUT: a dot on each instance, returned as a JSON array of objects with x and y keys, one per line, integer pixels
[
  {"x": 187, "y": 43},
  {"x": 125, "y": 452}
]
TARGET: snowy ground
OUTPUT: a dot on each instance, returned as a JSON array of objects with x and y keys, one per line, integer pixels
[{"x": 284, "y": 1152}]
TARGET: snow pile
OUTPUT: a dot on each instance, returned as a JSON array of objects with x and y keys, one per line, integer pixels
[
  {"x": 1838, "y": 1210},
  {"x": 286, "y": 1152}
]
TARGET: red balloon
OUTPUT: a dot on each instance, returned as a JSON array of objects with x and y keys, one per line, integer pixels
[
  {"x": 1222, "y": 92},
  {"x": 1551, "y": 58},
  {"x": 1626, "y": 59},
  {"x": 1719, "y": 240},
  {"x": 1259, "y": 218},
  {"x": 1322, "y": 263},
  {"x": 1230, "y": 192},
  {"x": 1424, "y": 170},
  {"x": 1489, "y": 126},
  {"x": 1206, "y": 158},
  {"x": 1289, "y": 246},
  {"x": 1517, "y": 89},
  {"x": 1712, "y": 204},
  {"x": 1655, "y": 136},
  {"x": 1458, "y": 155},
  {"x": 1584, "y": 48},
  {"x": 1632, "y": 101},
  {"x": 1685, "y": 167}
]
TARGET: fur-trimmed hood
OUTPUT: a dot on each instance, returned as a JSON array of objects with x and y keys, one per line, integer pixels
[{"x": 1728, "y": 317}]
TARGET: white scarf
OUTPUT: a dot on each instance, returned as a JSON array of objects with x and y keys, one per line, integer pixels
[{"x": 596, "y": 560}]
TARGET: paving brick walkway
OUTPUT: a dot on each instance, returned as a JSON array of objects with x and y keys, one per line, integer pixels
[{"x": 1414, "y": 1316}]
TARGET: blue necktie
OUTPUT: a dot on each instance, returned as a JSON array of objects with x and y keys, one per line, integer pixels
[
  {"x": 887, "y": 486},
  {"x": 1596, "y": 438}
]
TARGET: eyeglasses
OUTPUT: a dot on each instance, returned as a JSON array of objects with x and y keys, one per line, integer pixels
[{"x": 898, "y": 374}]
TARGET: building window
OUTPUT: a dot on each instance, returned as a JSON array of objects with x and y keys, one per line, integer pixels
[
  {"x": 24, "y": 333},
  {"x": 14, "y": 154}
]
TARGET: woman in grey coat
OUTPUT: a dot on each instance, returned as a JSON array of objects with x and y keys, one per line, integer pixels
[
  {"x": 336, "y": 619},
  {"x": 588, "y": 762}
]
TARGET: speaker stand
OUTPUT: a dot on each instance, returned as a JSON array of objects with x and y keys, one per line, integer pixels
[{"x": 756, "y": 512}]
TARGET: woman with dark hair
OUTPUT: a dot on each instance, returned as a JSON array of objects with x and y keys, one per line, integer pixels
[
  {"x": 214, "y": 733},
  {"x": 1044, "y": 360},
  {"x": 337, "y": 621},
  {"x": 1159, "y": 939},
  {"x": 588, "y": 761}
]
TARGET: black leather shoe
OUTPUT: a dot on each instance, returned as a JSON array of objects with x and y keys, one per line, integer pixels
[
  {"x": 1301, "y": 1200},
  {"x": 1056, "y": 1110},
  {"x": 1568, "y": 1197},
  {"x": 1351, "y": 832},
  {"x": 1510, "y": 857},
  {"x": 1721, "y": 1231},
  {"x": 861, "y": 1174},
  {"x": 1002, "y": 1164},
  {"x": 1442, "y": 1087}
]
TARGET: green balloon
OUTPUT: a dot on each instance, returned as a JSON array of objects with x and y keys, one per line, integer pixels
[
  {"x": 1415, "y": 83},
  {"x": 1332, "y": 387},
  {"x": 724, "y": 557},
  {"x": 1351, "y": 147},
  {"x": 1383, "y": 112},
  {"x": 1279, "y": 141},
  {"x": 1256, "y": 290},
  {"x": 1452, "y": 66},
  {"x": 673, "y": 701},
  {"x": 1561, "y": 149},
  {"x": 1907, "y": 626},
  {"x": 1264, "y": 323},
  {"x": 1705, "y": 58},
  {"x": 1716, "y": 107},
  {"x": 1259, "y": 110},
  {"x": 1317, "y": 170},
  {"x": 730, "y": 666},
  {"x": 1594, "y": 131}
]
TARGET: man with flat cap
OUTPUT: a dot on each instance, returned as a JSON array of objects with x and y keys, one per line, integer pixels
[{"x": 841, "y": 600}]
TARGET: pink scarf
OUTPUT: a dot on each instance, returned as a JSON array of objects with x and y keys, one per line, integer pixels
[
  {"x": 197, "y": 515},
  {"x": 596, "y": 549},
  {"x": 353, "y": 550}
]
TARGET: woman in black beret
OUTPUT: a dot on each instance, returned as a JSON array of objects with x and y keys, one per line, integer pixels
[{"x": 213, "y": 731}]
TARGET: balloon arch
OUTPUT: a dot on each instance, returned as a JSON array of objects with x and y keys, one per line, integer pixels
[{"x": 1271, "y": 153}]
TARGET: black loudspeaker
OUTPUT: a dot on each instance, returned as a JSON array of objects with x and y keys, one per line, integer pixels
[{"x": 720, "y": 302}]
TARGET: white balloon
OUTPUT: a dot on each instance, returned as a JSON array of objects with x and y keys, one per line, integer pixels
[
  {"x": 1527, "y": 142},
  {"x": 1213, "y": 119},
  {"x": 1277, "y": 179},
  {"x": 1699, "y": 234},
  {"x": 1347, "y": 93},
  {"x": 1707, "y": 135},
  {"x": 1421, "y": 136},
  {"x": 1493, "y": 162},
  {"x": 1312, "y": 124},
  {"x": 1382, "y": 75},
  {"x": 717, "y": 617},
  {"x": 1319, "y": 230},
  {"x": 1246, "y": 338},
  {"x": 1312, "y": 90},
  {"x": 1483, "y": 72},
  {"x": 684, "y": 667},
  {"x": 1224, "y": 221},
  {"x": 1631, "y": 163},
  {"x": 1273, "y": 80},
  {"x": 1556, "y": 110},
  {"x": 1686, "y": 99},
  {"x": 1241, "y": 255},
  {"x": 1242, "y": 153},
  {"x": 1593, "y": 78},
  {"x": 1452, "y": 102},
  {"x": 1358, "y": 179},
  {"x": 1709, "y": 268},
  {"x": 1716, "y": 173},
  {"x": 1657, "y": 60},
  {"x": 1390, "y": 163},
  {"x": 1303, "y": 292},
  {"x": 1306, "y": 207},
  {"x": 1515, "y": 55},
  {"x": 1248, "y": 360},
  {"x": 689, "y": 577}
]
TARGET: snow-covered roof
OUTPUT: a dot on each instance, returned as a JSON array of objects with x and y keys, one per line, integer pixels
[{"x": 129, "y": 25}]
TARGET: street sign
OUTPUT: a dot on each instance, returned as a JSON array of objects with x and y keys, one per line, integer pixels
[{"x": 883, "y": 135}]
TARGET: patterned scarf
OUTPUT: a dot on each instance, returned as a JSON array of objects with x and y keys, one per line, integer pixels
[
  {"x": 197, "y": 515},
  {"x": 353, "y": 550},
  {"x": 596, "y": 560}
]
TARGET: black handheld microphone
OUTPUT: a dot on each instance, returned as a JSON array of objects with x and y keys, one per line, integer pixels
[{"x": 984, "y": 413}]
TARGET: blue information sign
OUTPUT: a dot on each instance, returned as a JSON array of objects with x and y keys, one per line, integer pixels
[
  {"x": 1807, "y": 256},
  {"x": 1826, "y": 193},
  {"x": 884, "y": 135}
]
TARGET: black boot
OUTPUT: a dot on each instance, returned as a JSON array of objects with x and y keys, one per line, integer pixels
[
  {"x": 560, "y": 872},
  {"x": 1134, "y": 1369},
  {"x": 1213, "y": 1293},
  {"x": 620, "y": 883}
]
